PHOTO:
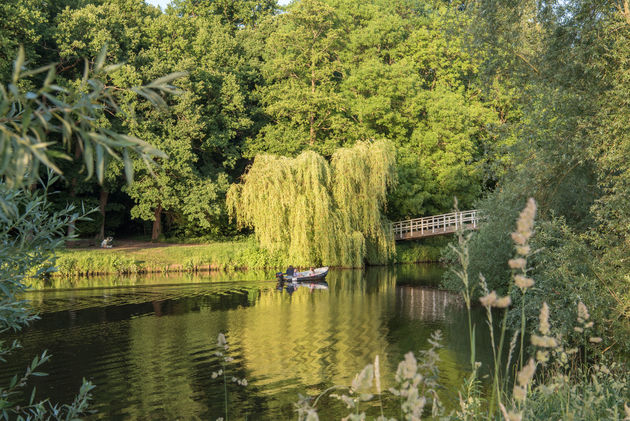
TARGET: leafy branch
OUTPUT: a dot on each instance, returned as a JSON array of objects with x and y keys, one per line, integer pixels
[{"x": 29, "y": 118}]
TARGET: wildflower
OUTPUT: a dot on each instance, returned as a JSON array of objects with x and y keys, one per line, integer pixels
[
  {"x": 503, "y": 302},
  {"x": 544, "y": 319},
  {"x": 542, "y": 356},
  {"x": 523, "y": 250},
  {"x": 564, "y": 358},
  {"x": 517, "y": 263},
  {"x": 578, "y": 329},
  {"x": 582, "y": 312},
  {"x": 489, "y": 299},
  {"x": 588, "y": 325},
  {"x": 523, "y": 282},
  {"x": 407, "y": 369},
  {"x": 595, "y": 340}
]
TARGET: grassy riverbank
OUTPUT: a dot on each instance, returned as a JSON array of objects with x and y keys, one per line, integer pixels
[{"x": 145, "y": 257}]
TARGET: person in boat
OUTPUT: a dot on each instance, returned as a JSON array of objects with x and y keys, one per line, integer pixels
[
  {"x": 311, "y": 272},
  {"x": 290, "y": 271},
  {"x": 280, "y": 279}
]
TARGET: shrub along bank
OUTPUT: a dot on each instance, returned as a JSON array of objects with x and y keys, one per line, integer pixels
[{"x": 137, "y": 258}]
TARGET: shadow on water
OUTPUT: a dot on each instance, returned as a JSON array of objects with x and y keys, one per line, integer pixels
[{"x": 149, "y": 344}]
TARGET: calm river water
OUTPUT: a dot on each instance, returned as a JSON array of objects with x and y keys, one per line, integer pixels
[{"x": 149, "y": 343}]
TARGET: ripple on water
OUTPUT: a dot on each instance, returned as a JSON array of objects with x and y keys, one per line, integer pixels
[{"x": 151, "y": 349}]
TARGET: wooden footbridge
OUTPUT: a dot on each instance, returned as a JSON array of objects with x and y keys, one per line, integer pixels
[{"x": 435, "y": 225}]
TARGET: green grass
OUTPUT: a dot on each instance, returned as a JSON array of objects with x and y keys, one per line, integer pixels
[
  {"x": 144, "y": 257},
  {"x": 164, "y": 258}
]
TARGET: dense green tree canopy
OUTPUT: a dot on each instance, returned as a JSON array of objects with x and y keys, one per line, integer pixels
[{"x": 322, "y": 75}]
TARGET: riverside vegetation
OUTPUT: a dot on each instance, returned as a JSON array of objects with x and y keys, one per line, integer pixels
[
  {"x": 215, "y": 255},
  {"x": 492, "y": 102},
  {"x": 552, "y": 377}
]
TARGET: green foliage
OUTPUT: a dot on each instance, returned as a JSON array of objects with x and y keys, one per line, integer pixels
[
  {"x": 602, "y": 396},
  {"x": 29, "y": 233},
  {"x": 416, "y": 252},
  {"x": 558, "y": 70},
  {"x": 28, "y": 117},
  {"x": 301, "y": 95},
  {"x": 168, "y": 258},
  {"x": 318, "y": 213},
  {"x": 26, "y": 18},
  {"x": 321, "y": 75},
  {"x": 203, "y": 128},
  {"x": 337, "y": 72},
  {"x": 609, "y": 128}
]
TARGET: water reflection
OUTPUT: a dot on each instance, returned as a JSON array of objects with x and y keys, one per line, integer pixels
[
  {"x": 427, "y": 304},
  {"x": 150, "y": 348}
]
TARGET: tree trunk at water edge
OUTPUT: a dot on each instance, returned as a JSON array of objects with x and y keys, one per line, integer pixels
[
  {"x": 102, "y": 202},
  {"x": 157, "y": 223}
]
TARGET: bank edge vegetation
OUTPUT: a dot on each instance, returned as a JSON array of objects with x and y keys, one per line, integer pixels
[{"x": 514, "y": 100}]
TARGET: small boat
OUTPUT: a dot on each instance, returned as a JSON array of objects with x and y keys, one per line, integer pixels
[{"x": 318, "y": 274}]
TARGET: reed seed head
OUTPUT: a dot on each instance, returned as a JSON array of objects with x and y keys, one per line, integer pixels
[
  {"x": 518, "y": 263},
  {"x": 542, "y": 356},
  {"x": 523, "y": 250},
  {"x": 595, "y": 340},
  {"x": 503, "y": 302},
  {"x": 527, "y": 373},
  {"x": 377, "y": 375},
  {"x": 582, "y": 312},
  {"x": 519, "y": 393},
  {"x": 514, "y": 416},
  {"x": 519, "y": 238},
  {"x": 544, "y": 319},
  {"x": 544, "y": 341},
  {"x": 523, "y": 282},
  {"x": 488, "y": 300}
]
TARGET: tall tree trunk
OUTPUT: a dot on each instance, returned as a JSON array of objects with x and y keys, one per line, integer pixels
[
  {"x": 102, "y": 202},
  {"x": 73, "y": 184},
  {"x": 312, "y": 116},
  {"x": 157, "y": 223}
]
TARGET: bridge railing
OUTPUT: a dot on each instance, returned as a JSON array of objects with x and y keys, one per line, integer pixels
[{"x": 437, "y": 224}]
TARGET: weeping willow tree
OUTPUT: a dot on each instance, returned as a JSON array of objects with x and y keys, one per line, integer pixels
[
  {"x": 317, "y": 213},
  {"x": 361, "y": 177}
]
